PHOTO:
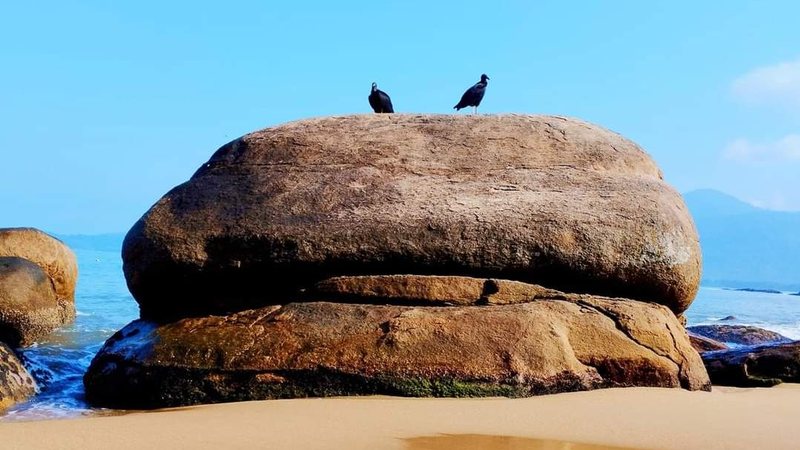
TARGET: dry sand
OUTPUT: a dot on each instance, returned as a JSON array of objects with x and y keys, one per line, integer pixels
[{"x": 635, "y": 417}]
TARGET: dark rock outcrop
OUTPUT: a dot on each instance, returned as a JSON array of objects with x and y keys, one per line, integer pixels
[
  {"x": 49, "y": 253},
  {"x": 28, "y": 305},
  {"x": 763, "y": 291},
  {"x": 542, "y": 199},
  {"x": 320, "y": 349},
  {"x": 739, "y": 334},
  {"x": 16, "y": 383},
  {"x": 754, "y": 366}
]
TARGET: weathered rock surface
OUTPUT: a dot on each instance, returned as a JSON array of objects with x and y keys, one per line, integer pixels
[
  {"x": 29, "y": 308},
  {"x": 320, "y": 349},
  {"x": 704, "y": 344},
  {"x": 739, "y": 334},
  {"x": 49, "y": 253},
  {"x": 542, "y": 199},
  {"x": 398, "y": 255},
  {"x": 16, "y": 383},
  {"x": 755, "y": 366},
  {"x": 429, "y": 290}
]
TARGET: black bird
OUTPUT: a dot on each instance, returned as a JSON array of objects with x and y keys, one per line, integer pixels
[
  {"x": 379, "y": 100},
  {"x": 474, "y": 95}
]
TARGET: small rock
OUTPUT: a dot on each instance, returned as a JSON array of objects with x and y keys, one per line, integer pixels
[
  {"x": 704, "y": 344},
  {"x": 16, "y": 384},
  {"x": 739, "y": 334}
]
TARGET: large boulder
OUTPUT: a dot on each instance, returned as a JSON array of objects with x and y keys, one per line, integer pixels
[
  {"x": 395, "y": 255},
  {"x": 29, "y": 308},
  {"x": 542, "y": 199},
  {"x": 16, "y": 383},
  {"x": 739, "y": 334},
  {"x": 755, "y": 366},
  {"x": 320, "y": 349},
  {"x": 52, "y": 255}
]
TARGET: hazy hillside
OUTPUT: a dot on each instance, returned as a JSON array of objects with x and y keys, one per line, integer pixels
[{"x": 746, "y": 246}]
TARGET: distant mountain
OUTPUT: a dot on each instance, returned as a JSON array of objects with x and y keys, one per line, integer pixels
[
  {"x": 746, "y": 246},
  {"x": 109, "y": 242},
  {"x": 708, "y": 202}
]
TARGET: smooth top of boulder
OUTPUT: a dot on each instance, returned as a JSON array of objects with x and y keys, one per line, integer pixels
[
  {"x": 52, "y": 255},
  {"x": 543, "y": 199}
]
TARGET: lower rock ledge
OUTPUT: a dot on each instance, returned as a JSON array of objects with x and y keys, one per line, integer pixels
[{"x": 325, "y": 349}]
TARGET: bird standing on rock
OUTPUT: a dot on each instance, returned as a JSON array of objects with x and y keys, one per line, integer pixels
[
  {"x": 474, "y": 95},
  {"x": 379, "y": 100}
]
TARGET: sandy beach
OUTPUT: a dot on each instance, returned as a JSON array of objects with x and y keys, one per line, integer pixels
[{"x": 630, "y": 418}]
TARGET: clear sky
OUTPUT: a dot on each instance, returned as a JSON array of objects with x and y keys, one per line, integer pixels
[{"x": 104, "y": 106}]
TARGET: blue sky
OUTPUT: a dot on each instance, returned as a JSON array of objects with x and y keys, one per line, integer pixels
[{"x": 104, "y": 106}]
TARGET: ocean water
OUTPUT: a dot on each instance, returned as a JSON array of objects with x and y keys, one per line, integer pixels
[
  {"x": 104, "y": 306},
  {"x": 776, "y": 312}
]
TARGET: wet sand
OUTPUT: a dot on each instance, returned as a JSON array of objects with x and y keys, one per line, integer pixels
[
  {"x": 482, "y": 441},
  {"x": 727, "y": 418}
]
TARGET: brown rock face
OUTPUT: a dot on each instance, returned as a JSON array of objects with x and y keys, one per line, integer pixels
[
  {"x": 28, "y": 305},
  {"x": 57, "y": 260},
  {"x": 549, "y": 200},
  {"x": 429, "y": 290},
  {"x": 755, "y": 366},
  {"x": 16, "y": 383},
  {"x": 703, "y": 344},
  {"x": 319, "y": 349}
]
